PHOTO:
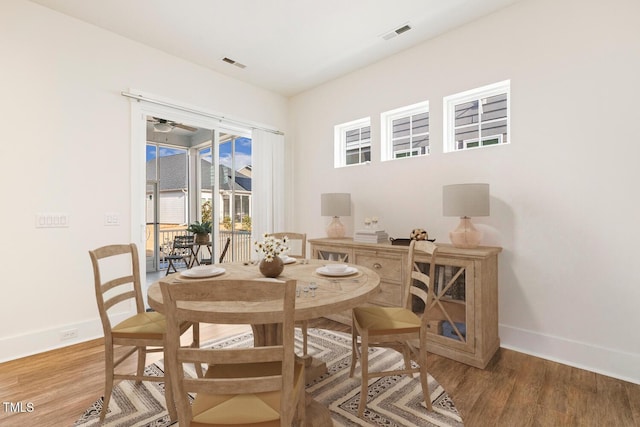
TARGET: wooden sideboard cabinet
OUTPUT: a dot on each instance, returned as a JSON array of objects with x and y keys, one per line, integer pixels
[{"x": 464, "y": 323}]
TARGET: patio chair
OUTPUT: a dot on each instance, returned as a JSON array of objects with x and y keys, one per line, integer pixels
[
  {"x": 223, "y": 253},
  {"x": 181, "y": 251}
]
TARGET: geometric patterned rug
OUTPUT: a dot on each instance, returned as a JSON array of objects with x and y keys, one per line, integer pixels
[{"x": 391, "y": 401}]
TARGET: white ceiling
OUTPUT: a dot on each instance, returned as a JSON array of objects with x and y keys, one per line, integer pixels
[{"x": 288, "y": 46}]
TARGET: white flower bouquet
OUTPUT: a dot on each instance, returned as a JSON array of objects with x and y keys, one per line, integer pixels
[{"x": 271, "y": 247}]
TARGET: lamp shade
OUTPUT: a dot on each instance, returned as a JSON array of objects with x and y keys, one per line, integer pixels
[
  {"x": 335, "y": 204},
  {"x": 465, "y": 200}
]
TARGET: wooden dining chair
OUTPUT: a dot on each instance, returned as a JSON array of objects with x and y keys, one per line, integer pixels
[
  {"x": 297, "y": 243},
  {"x": 398, "y": 328},
  {"x": 254, "y": 386},
  {"x": 298, "y": 250},
  {"x": 116, "y": 272}
]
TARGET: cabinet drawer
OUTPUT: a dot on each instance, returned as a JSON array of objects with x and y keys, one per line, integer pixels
[
  {"x": 388, "y": 268},
  {"x": 390, "y": 294}
]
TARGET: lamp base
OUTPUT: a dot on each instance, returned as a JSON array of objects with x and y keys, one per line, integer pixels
[
  {"x": 466, "y": 235},
  {"x": 335, "y": 229}
]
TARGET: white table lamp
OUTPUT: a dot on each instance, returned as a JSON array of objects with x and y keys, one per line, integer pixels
[
  {"x": 335, "y": 205},
  {"x": 465, "y": 201}
]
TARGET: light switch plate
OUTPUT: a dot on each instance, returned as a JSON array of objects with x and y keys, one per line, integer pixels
[{"x": 52, "y": 220}]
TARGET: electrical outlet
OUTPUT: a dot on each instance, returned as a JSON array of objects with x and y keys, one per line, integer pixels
[{"x": 68, "y": 334}]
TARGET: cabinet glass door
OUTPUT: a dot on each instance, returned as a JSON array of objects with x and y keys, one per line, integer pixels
[{"x": 449, "y": 314}]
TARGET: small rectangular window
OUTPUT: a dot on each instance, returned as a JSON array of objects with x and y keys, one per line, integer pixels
[
  {"x": 352, "y": 143},
  {"x": 477, "y": 118},
  {"x": 405, "y": 131}
]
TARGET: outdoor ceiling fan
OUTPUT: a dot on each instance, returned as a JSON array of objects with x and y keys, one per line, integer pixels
[{"x": 164, "y": 125}]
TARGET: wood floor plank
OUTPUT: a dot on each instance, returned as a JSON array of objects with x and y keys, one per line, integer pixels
[
  {"x": 490, "y": 405},
  {"x": 554, "y": 392},
  {"x": 582, "y": 403},
  {"x": 633, "y": 392},
  {"x": 615, "y": 407},
  {"x": 545, "y": 417},
  {"x": 521, "y": 405}
]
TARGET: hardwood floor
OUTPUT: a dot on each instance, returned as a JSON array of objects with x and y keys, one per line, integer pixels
[{"x": 514, "y": 390}]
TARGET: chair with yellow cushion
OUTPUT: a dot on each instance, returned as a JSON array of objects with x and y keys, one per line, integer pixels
[
  {"x": 116, "y": 271},
  {"x": 255, "y": 386},
  {"x": 398, "y": 328}
]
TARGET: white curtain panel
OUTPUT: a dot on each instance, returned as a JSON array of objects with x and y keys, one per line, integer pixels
[{"x": 267, "y": 183}]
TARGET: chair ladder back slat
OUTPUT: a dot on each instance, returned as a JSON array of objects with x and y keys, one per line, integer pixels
[
  {"x": 233, "y": 385},
  {"x": 108, "y": 303},
  {"x": 226, "y": 290},
  {"x": 231, "y": 356},
  {"x": 118, "y": 281},
  {"x": 420, "y": 293}
]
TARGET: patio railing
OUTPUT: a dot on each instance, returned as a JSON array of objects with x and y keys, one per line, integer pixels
[{"x": 239, "y": 248}]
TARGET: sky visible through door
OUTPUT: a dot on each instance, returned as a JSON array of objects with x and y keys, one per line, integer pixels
[{"x": 242, "y": 154}]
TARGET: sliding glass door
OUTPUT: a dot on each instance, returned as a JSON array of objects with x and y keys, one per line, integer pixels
[
  {"x": 166, "y": 200},
  {"x": 196, "y": 170},
  {"x": 235, "y": 192}
]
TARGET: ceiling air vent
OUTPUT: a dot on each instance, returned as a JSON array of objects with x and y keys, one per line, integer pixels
[
  {"x": 391, "y": 34},
  {"x": 232, "y": 62}
]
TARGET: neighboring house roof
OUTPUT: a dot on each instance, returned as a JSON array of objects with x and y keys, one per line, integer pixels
[
  {"x": 241, "y": 183},
  {"x": 173, "y": 175},
  {"x": 246, "y": 170}
]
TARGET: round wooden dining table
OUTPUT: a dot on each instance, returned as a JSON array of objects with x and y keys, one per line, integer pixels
[{"x": 318, "y": 295}]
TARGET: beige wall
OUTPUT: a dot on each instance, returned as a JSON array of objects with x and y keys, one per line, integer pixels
[
  {"x": 564, "y": 200},
  {"x": 67, "y": 147}
]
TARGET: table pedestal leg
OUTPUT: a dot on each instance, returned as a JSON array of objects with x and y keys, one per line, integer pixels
[
  {"x": 313, "y": 368},
  {"x": 317, "y": 415}
]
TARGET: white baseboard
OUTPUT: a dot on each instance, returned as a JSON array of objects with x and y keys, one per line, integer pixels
[
  {"x": 601, "y": 360},
  {"x": 18, "y": 346}
]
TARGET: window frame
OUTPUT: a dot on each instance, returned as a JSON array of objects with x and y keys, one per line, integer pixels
[
  {"x": 386, "y": 131},
  {"x": 340, "y": 142},
  {"x": 478, "y": 94}
]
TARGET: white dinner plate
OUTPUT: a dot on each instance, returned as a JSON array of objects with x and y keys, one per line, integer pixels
[
  {"x": 288, "y": 260},
  {"x": 347, "y": 271},
  {"x": 203, "y": 271}
]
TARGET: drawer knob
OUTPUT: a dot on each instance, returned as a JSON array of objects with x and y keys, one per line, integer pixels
[{"x": 377, "y": 266}]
